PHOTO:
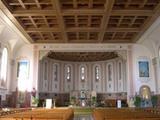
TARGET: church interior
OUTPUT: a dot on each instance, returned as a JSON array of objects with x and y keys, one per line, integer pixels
[{"x": 79, "y": 60}]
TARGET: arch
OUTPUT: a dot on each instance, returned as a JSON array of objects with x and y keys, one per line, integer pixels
[
  {"x": 109, "y": 77},
  {"x": 82, "y": 77},
  {"x": 68, "y": 83},
  {"x": 55, "y": 77},
  {"x": 82, "y": 72},
  {"x": 120, "y": 69},
  {"x": 68, "y": 72},
  {"x": 97, "y": 72},
  {"x": 145, "y": 92},
  {"x": 110, "y": 71},
  {"x": 56, "y": 71}
]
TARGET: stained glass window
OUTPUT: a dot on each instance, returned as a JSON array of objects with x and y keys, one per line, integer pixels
[
  {"x": 82, "y": 73},
  {"x": 97, "y": 73},
  {"x": 68, "y": 73}
]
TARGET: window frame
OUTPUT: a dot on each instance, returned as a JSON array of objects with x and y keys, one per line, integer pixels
[{"x": 4, "y": 66}]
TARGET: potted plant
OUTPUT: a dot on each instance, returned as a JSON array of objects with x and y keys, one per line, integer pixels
[
  {"x": 137, "y": 101},
  {"x": 35, "y": 101},
  {"x": 93, "y": 101},
  {"x": 72, "y": 100},
  {"x": 154, "y": 100}
]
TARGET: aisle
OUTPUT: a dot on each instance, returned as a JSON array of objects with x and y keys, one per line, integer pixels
[
  {"x": 83, "y": 117},
  {"x": 83, "y": 113}
]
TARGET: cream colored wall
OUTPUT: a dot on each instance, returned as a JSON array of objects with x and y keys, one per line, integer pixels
[
  {"x": 11, "y": 40},
  {"x": 151, "y": 40},
  {"x": 141, "y": 53},
  {"x": 102, "y": 86},
  {"x": 23, "y": 53},
  {"x": 146, "y": 47}
]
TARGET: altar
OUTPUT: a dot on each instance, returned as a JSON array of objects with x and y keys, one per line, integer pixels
[{"x": 82, "y": 98}]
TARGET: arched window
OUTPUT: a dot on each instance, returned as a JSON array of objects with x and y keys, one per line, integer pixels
[
  {"x": 109, "y": 72},
  {"x": 82, "y": 73},
  {"x": 68, "y": 72},
  {"x": 55, "y": 70},
  {"x": 22, "y": 74},
  {"x": 120, "y": 70},
  {"x": 159, "y": 52},
  {"x": 45, "y": 70},
  {"x": 97, "y": 73},
  {"x": 4, "y": 64}
]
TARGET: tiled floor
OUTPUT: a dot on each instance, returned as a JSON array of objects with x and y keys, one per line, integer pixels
[{"x": 83, "y": 117}]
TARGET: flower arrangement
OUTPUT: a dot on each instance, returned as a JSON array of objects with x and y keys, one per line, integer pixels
[{"x": 34, "y": 99}]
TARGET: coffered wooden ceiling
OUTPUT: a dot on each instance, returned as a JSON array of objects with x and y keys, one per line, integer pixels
[
  {"x": 82, "y": 21},
  {"x": 82, "y": 56}
]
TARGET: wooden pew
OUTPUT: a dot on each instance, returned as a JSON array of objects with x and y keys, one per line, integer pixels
[
  {"x": 123, "y": 114},
  {"x": 42, "y": 114}
]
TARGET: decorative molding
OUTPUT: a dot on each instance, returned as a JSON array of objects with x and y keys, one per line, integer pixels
[
  {"x": 122, "y": 54},
  {"x": 43, "y": 54},
  {"x": 82, "y": 47}
]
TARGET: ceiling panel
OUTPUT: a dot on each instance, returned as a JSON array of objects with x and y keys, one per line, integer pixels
[{"x": 83, "y": 21}]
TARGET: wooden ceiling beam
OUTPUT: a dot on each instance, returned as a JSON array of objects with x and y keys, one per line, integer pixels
[
  {"x": 119, "y": 22},
  {"x": 49, "y": 41},
  {"x": 33, "y": 22},
  {"x": 37, "y": 3},
  {"x": 34, "y": 13},
  {"x": 52, "y": 35},
  {"x": 87, "y": 29},
  {"x": 46, "y": 22},
  {"x": 89, "y": 21},
  {"x": 127, "y": 4},
  {"x": 124, "y": 35},
  {"x": 21, "y": 3},
  {"x": 133, "y": 20},
  {"x": 56, "y": 4},
  {"x": 117, "y": 41},
  {"x": 76, "y": 21},
  {"x": 114, "y": 34},
  {"x": 77, "y": 35},
  {"x": 108, "y": 8},
  {"x": 28, "y": 30},
  {"x": 90, "y": 5},
  {"x": 123, "y": 30},
  {"x": 88, "y": 35},
  {"x": 83, "y": 41},
  {"x": 144, "y": 2},
  {"x": 75, "y": 4},
  {"x": 132, "y": 12},
  {"x": 35, "y": 25},
  {"x": 82, "y": 12}
]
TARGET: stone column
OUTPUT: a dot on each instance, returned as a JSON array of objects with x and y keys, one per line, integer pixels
[
  {"x": 156, "y": 69},
  {"x": 89, "y": 76},
  {"x": 35, "y": 67},
  {"x": 129, "y": 71},
  {"x": 103, "y": 77}
]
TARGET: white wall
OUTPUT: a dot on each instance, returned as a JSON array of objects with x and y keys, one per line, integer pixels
[
  {"x": 103, "y": 85},
  {"x": 140, "y": 52},
  {"x": 151, "y": 40},
  {"x": 25, "y": 52}
]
